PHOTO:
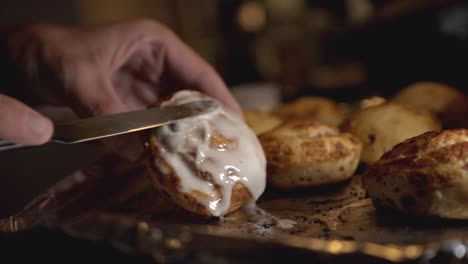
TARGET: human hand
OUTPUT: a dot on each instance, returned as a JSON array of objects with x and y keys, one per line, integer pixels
[
  {"x": 21, "y": 124},
  {"x": 106, "y": 69}
]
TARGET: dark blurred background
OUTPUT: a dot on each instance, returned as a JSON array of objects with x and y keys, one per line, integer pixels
[
  {"x": 346, "y": 49},
  {"x": 343, "y": 48}
]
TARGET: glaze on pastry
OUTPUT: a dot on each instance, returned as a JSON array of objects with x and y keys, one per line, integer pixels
[{"x": 210, "y": 164}]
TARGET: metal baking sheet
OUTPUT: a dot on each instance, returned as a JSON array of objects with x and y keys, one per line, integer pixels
[{"x": 338, "y": 220}]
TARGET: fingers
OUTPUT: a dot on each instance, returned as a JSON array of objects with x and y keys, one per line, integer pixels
[
  {"x": 92, "y": 93},
  {"x": 21, "y": 124},
  {"x": 181, "y": 66},
  {"x": 210, "y": 83},
  {"x": 193, "y": 72},
  {"x": 58, "y": 114}
]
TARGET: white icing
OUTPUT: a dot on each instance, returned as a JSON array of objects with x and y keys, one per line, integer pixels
[{"x": 187, "y": 147}]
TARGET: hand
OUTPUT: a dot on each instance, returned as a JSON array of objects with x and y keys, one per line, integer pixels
[
  {"x": 21, "y": 124},
  {"x": 104, "y": 69}
]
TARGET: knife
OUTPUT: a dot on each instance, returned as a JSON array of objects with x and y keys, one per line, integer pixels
[{"x": 98, "y": 127}]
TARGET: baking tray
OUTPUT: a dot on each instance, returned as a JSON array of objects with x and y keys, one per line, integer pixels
[{"x": 113, "y": 200}]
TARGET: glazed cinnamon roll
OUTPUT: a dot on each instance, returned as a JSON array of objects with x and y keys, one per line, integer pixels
[{"x": 210, "y": 164}]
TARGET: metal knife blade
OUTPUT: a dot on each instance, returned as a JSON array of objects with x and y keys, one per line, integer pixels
[{"x": 111, "y": 125}]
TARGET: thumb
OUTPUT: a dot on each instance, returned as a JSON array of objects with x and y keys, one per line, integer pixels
[{"x": 22, "y": 125}]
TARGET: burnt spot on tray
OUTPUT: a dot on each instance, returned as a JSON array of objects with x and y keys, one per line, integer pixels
[{"x": 408, "y": 201}]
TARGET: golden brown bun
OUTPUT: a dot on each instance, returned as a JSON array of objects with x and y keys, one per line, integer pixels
[
  {"x": 371, "y": 101},
  {"x": 426, "y": 175},
  {"x": 320, "y": 109},
  {"x": 306, "y": 153},
  {"x": 383, "y": 126},
  {"x": 261, "y": 121},
  {"x": 436, "y": 98},
  {"x": 168, "y": 183}
]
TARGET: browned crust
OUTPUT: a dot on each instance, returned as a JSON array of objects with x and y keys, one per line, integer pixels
[
  {"x": 416, "y": 160},
  {"x": 415, "y": 174},
  {"x": 301, "y": 146},
  {"x": 320, "y": 109},
  {"x": 426, "y": 142},
  {"x": 168, "y": 183}
]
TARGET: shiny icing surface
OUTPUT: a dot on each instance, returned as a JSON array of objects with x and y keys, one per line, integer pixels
[{"x": 219, "y": 144}]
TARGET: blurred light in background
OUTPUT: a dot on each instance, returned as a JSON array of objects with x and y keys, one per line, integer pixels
[
  {"x": 281, "y": 10},
  {"x": 359, "y": 10},
  {"x": 251, "y": 16},
  {"x": 101, "y": 11},
  {"x": 454, "y": 22},
  {"x": 339, "y": 48}
]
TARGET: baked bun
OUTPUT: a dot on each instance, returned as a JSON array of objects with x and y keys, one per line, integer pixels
[
  {"x": 371, "y": 101},
  {"x": 261, "y": 121},
  {"x": 436, "y": 98},
  {"x": 426, "y": 176},
  {"x": 383, "y": 126},
  {"x": 320, "y": 109},
  {"x": 209, "y": 164},
  {"x": 306, "y": 154}
]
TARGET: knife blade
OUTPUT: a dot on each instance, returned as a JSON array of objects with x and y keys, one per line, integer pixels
[{"x": 98, "y": 127}]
